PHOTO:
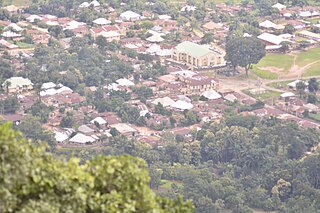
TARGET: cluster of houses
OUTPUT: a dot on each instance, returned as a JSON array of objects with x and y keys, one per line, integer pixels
[
  {"x": 185, "y": 87},
  {"x": 302, "y": 23}
]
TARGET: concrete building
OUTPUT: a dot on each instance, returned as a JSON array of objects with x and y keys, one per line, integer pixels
[
  {"x": 17, "y": 85},
  {"x": 309, "y": 35},
  {"x": 197, "y": 56}
]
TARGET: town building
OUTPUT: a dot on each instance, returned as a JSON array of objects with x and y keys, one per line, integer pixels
[
  {"x": 17, "y": 85},
  {"x": 197, "y": 56}
]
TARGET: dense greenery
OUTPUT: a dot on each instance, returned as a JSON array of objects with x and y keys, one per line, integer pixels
[
  {"x": 81, "y": 64},
  {"x": 35, "y": 181},
  {"x": 239, "y": 164}
]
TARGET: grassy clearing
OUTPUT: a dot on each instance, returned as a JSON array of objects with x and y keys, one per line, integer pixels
[
  {"x": 264, "y": 96},
  {"x": 279, "y": 84},
  {"x": 17, "y": 2},
  {"x": 313, "y": 20},
  {"x": 308, "y": 57},
  {"x": 280, "y": 61},
  {"x": 314, "y": 116},
  {"x": 166, "y": 184},
  {"x": 23, "y": 45},
  {"x": 265, "y": 74},
  {"x": 313, "y": 71}
]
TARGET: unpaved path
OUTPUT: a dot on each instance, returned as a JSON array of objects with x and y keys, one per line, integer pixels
[{"x": 295, "y": 70}]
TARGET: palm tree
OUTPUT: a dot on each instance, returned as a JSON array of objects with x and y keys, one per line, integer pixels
[{"x": 7, "y": 84}]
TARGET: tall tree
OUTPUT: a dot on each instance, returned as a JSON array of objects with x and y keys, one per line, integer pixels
[
  {"x": 313, "y": 85},
  {"x": 243, "y": 51}
]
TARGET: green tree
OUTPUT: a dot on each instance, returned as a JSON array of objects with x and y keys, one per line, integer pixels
[
  {"x": 244, "y": 52},
  {"x": 101, "y": 42},
  {"x": 9, "y": 105},
  {"x": 143, "y": 92},
  {"x": 289, "y": 28},
  {"x": 301, "y": 87},
  {"x": 313, "y": 85},
  {"x": 35, "y": 181},
  {"x": 40, "y": 110},
  {"x": 67, "y": 121},
  {"x": 207, "y": 38}
]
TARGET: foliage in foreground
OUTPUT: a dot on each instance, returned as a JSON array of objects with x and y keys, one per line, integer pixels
[{"x": 33, "y": 180}]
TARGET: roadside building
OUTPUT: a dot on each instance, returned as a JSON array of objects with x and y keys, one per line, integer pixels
[
  {"x": 195, "y": 55},
  {"x": 309, "y": 35}
]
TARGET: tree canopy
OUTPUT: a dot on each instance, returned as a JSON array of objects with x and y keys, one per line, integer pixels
[
  {"x": 33, "y": 180},
  {"x": 244, "y": 51}
]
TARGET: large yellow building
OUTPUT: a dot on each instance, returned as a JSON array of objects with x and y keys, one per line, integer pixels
[
  {"x": 197, "y": 56},
  {"x": 17, "y": 85}
]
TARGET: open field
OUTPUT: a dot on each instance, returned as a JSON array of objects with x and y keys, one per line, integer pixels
[
  {"x": 314, "y": 70},
  {"x": 306, "y": 57},
  {"x": 277, "y": 62},
  {"x": 295, "y": 64}
]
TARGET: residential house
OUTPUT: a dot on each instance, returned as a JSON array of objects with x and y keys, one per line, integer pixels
[
  {"x": 110, "y": 35},
  {"x": 61, "y": 100},
  {"x": 11, "y": 48},
  {"x": 101, "y": 21},
  {"x": 198, "y": 84},
  {"x": 38, "y": 37},
  {"x": 108, "y": 31},
  {"x": 80, "y": 138},
  {"x": 130, "y": 16},
  {"x": 125, "y": 129},
  {"x": 273, "y": 42},
  {"x": 279, "y": 6},
  {"x": 14, "y": 118},
  {"x": 212, "y": 26},
  {"x": 270, "y": 25},
  {"x": 182, "y": 131}
]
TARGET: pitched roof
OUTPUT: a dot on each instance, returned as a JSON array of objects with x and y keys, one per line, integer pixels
[
  {"x": 155, "y": 38},
  {"x": 81, "y": 138},
  {"x": 166, "y": 101},
  {"x": 287, "y": 95},
  {"x": 267, "y": 24},
  {"x": 279, "y": 6},
  {"x": 230, "y": 97},
  {"x": 48, "y": 85},
  {"x": 193, "y": 49},
  {"x": 212, "y": 25},
  {"x": 124, "y": 82},
  {"x": 211, "y": 95},
  {"x": 17, "y": 82},
  {"x": 182, "y": 105},
  {"x": 129, "y": 15},
  {"x": 101, "y": 21},
  {"x": 123, "y": 128},
  {"x": 310, "y": 34},
  {"x": 8, "y": 44},
  {"x": 271, "y": 38},
  {"x": 99, "y": 120},
  {"x": 85, "y": 129}
]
